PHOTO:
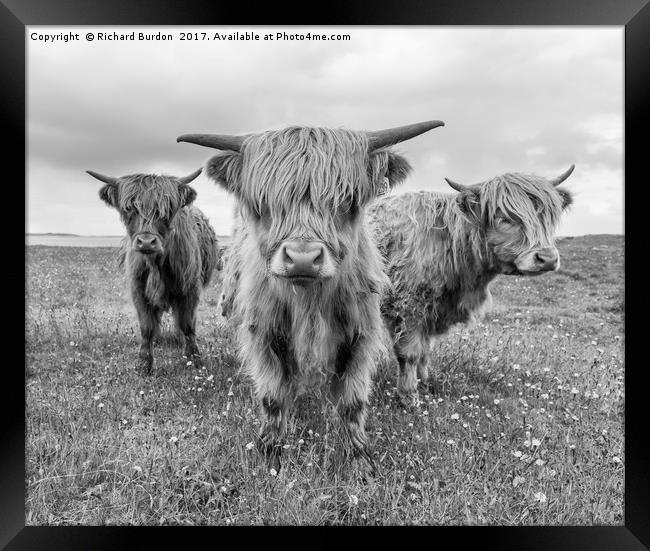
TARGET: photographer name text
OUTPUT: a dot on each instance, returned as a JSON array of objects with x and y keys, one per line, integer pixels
[{"x": 185, "y": 36}]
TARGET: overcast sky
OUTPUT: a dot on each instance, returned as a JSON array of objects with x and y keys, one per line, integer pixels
[{"x": 527, "y": 99}]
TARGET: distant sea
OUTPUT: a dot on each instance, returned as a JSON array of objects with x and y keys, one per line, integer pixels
[{"x": 69, "y": 240}]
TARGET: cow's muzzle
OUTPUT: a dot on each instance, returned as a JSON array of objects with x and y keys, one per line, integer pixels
[
  {"x": 539, "y": 261},
  {"x": 302, "y": 262},
  {"x": 147, "y": 243}
]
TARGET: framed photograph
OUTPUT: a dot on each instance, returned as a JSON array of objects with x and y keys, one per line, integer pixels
[{"x": 369, "y": 270}]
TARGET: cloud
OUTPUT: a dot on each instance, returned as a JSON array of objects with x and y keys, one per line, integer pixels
[{"x": 513, "y": 99}]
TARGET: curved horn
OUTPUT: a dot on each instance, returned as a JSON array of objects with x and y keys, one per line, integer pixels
[
  {"x": 106, "y": 179},
  {"x": 557, "y": 181},
  {"x": 457, "y": 186},
  {"x": 188, "y": 179},
  {"x": 215, "y": 141},
  {"x": 392, "y": 136}
]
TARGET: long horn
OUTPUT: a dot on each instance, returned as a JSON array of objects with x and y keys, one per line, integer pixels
[
  {"x": 102, "y": 178},
  {"x": 557, "y": 181},
  {"x": 215, "y": 141},
  {"x": 457, "y": 186},
  {"x": 392, "y": 136},
  {"x": 188, "y": 179}
]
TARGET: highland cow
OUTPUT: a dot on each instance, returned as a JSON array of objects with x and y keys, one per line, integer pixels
[
  {"x": 442, "y": 252},
  {"x": 305, "y": 278},
  {"x": 169, "y": 253}
]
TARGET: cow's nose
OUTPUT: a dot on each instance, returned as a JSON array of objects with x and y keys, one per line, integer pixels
[
  {"x": 147, "y": 243},
  {"x": 302, "y": 258},
  {"x": 547, "y": 259}
]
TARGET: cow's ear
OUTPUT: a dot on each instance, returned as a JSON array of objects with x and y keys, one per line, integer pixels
[
  {"x": 386, "y": 169},
  {"x": 398, "y": 169},
  {"x": 187, "y": 193},
  {"x": 225, "y": 169},
  {"x": 469, "y": 203},
  {"x": 567, "y": 198},
  {"x": 109, "y": 194}
]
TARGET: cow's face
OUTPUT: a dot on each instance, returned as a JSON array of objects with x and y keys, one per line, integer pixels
[
  {"x": 518, "y": 215},
  {"x": 302, "y": 192},
  {"x": 147, "y": 205}
]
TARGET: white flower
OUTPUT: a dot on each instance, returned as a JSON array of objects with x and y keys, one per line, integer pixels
[
  {"x": 574, "y": 390},
  {"x": 173, "y": 440},
  {"x": 540, "y": 496},
  {"x": 273, "y": 472},
  {"x": 518, "y": 480},
  {"x": 354, "y": 500},
  {"x": 616, "y": 459},
  {"x": 451, "y": 441},
  {"x": 539, "y": 462},
  {"x": 517, "y": 453},
  {"x": 250, "y": 446},
  {"x": 455, "y": 416},
  {"x": 536, "y": 442}
]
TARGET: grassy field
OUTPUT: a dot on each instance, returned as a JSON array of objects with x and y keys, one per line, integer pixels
[{"x": 523, "y": 426}]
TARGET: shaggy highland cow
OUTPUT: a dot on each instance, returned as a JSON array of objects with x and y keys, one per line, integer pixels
[
  {"x": 442, "y": 251},
  {"x": 169, "y": 253},
  {"x": 308, "y": 277}
]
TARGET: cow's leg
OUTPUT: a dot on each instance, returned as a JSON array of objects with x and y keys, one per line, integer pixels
[
  {"x": 411, "y": 358},
  {"x": 185, "y": 316},
  {"x": 149, "y": 318},
  {"x": 423, "y": 368},
  {"x": 350, "y": 390},
  {"x": 269, "y": 360}
]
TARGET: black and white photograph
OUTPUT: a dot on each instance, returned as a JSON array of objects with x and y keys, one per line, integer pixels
[{"x": 325, "y": 275}]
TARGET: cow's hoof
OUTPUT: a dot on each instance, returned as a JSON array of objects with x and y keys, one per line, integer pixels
[
  {"x": 409, "y": 399},
  {"x": 144, "y": 365}
]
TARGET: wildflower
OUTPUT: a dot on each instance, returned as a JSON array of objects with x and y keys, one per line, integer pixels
[
  {"x": 301, "y": 442},
  {"x": 250, "y": 446},
  {"x": 539, "y": 462},
  {"x": 273, "y": 472},
  {"x": 517, "y": 481},
  {"x": 455, "y": 416},
  {"x": 451, "y": 441},
  {"x": 540, "y": 497},
  {"x": 574, "y": 390},
  {"x": 142, "y": 393},
  {"x": 616, "y": 459},
  {"x": 536, "y": 443},
  {"x": 100, "y": 405},
  {"x": 209, "y": 377},
  {"x": 517, "y": 453},
  {"x": 189, "y": 363},
  {"x": 497, "y": 401},
  {"x": 354, "y": 500},
  {"x": 173, "y": 440}
]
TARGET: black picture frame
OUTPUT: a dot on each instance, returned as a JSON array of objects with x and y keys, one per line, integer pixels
[{"x": 15, "y": 15}]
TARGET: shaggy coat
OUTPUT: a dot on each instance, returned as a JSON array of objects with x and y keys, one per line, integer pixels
[
  {"x": 442, "y": 251},
  {"x": 311, "y": 184},
  {"x": 185, "y": 253}
]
